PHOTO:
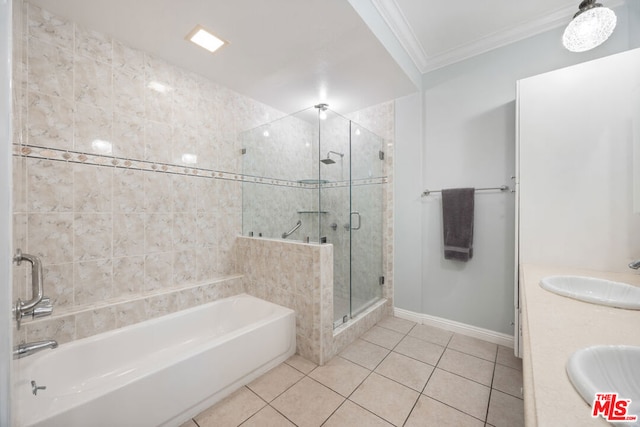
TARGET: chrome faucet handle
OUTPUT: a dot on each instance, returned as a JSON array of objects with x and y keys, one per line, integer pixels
[
  {"x": 635, "y": 264},
  {"x": 43, "y": 309}
]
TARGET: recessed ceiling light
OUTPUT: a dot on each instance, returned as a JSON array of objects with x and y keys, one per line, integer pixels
[{"x": 205, "y": 39}]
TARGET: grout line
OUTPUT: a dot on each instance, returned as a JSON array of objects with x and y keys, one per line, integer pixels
[{"x": 486, "y": 417}]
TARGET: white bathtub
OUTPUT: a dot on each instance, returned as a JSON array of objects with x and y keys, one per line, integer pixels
[{"x": 160, "y": 372}]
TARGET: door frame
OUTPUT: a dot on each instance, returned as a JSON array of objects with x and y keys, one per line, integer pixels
[{"x": 6, "y": 14}]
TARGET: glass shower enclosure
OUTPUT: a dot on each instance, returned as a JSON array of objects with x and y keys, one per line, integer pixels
[{"x": 315, "y": 176}]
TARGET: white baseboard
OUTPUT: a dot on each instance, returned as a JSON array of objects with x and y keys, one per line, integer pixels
[{"x": 460, "y": 328}]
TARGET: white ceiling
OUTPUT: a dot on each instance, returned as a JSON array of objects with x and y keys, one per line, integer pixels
[
  {"x": 292, "y": 54},
  {"x": 436, "y": 33}
]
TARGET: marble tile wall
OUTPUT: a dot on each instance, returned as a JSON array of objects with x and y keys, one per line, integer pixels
[
  {"x": 126, "y": 178},
  {"x": 298, "y": 276},
  {"x": 134, "y": 201}
]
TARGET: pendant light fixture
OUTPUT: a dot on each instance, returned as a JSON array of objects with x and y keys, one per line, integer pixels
[{"x": 589, "y": 28}]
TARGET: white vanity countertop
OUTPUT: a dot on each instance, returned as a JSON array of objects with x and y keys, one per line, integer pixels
[{"x": 553, "y": 328}]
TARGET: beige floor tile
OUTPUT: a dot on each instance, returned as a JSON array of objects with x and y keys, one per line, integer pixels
[
  {"x": 460, "y": 393},
  {"x": 189, "y": 423},
  {"x": 276, "y": 381},
  {"x": 232, "y": 410},
  {"x": 431, "y": 413},
  {"x": 431, "y": 334},
  {"x": 268, "y": 417},
  {"x": 405, "y": 370},
  {"x": 505, "y": 410},
  {"x": 364, "y": 353},
  {"x": 419, "y": 349},
  {"x": 507, "y": 358},
  {"x": 308, "y": 403},
  {"x": 467, "y": 366},
  {"x": 474, "y": 346},
  {"x": 301, "y": 364},
  {"x": 340, "y": 375},
  {"x": 385, "y": 398},
  {"x": 352, "y": 415},
  {"x": 383, "y": 337},
  {"x": 508, "y": 380},
  {"x": 396, "y": 324}
]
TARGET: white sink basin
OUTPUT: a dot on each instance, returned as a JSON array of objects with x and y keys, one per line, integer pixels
[
  {"x": 607, "y": 369},
  {"x": 596, "y": 291}
]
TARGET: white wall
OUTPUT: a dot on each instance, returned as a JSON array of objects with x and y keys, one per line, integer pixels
[
  {"x": 576, "y": 187},
  {"x": 408, "y": 205},
  {"x": 469, "y": 140}
]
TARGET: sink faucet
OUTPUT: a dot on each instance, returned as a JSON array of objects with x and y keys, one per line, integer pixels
[
  {"x": 635, "y": 264},
  {"x": 30, "y": 348}
]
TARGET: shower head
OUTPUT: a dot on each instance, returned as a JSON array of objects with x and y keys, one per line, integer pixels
[{"x": 329, "y": 160}]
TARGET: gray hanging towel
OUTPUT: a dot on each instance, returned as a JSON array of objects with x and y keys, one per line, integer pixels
[{"x": 457, "y": 223}]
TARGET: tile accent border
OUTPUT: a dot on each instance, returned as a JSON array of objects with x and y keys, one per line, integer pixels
[
  {"x": 70, "y": 156},
  {"x": 458, "y": 327}
]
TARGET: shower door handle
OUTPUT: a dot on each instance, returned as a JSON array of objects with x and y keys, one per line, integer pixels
[{"x": 359, "y": 220}]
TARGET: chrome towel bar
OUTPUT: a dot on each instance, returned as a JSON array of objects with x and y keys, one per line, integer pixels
[{"x": 425, "y": 193}]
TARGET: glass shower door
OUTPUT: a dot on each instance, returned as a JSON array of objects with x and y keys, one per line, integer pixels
[
  {"x": 366, "y": 213},
  {"x": 334, "y": 197}
]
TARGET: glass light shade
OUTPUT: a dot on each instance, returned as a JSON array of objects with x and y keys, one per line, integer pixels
[{"x": 589, "y": 29}]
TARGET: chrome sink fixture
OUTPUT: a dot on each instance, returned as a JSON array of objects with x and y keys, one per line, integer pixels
[
  {"x": 595, "y": 291},
  {"x": 607, "y": 370}
]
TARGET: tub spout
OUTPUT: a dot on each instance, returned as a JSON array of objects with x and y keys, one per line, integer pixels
[{"x": 30, "y": 348}]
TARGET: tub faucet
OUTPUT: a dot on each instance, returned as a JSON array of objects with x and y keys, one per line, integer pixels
[
  {"x": 635, "y": 264},
  {"x": 30, "y": 348}
]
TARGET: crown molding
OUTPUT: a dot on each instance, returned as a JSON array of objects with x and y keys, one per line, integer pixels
[
  {"x": 397, "y": 22},
  {"x": 399, "y": 26}
]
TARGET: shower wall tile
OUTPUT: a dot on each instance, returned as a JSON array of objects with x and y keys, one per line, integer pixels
[
  {"x": 93, "y": 82},
  {"x": 95, "y": 321},
  {"x": 158, "y": 233},
  {"x": 157, "y": 193},
  {"x": 184, "y": 267},
  {"x": 63, "y": 329},
  {"x": 128, "y": 190},
  {"x": 158, "y": 271},
  {"x": 157, "y": 141},
  {"x": 48, "y": 186},
  {"x": 128, "y": 136},
  {"x": 128, "y": 93},
  {"x": 127, "y": 59},
  {"x": 93, "y": 44},
  {"x": 206, "y": 264},
  {"x": 50, "y": 121},
  {"x": 128, "y": 276},
  {"x": 184, "y": 231},
  {"x": 130, "y": 313},
  {"x": 50, "y": 237},
  {"x": 45, "y": 26},
  {"x": 19, "y": 178},
  {"x": 57, "y": 286},
  {"x": 92, "y": 130},
  {"x": 160, "y": 305},
  {"x": 92, "y": 281},
  {"x": 183, "y": 194},
  {"x": 93, "y": 236},
  {"x": 50, "y": 69},
  {"x": 92, "y": 189},
  {"x": 128, "y": 234}
]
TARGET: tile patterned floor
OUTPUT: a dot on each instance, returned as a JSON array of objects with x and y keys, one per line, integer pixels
[{"x": 398, "y": 374}]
